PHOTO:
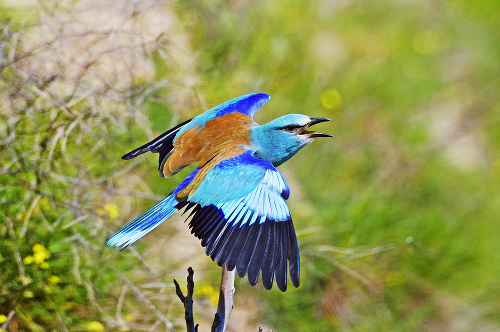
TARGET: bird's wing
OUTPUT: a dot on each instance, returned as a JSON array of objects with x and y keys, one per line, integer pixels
[
  {"x": 240, "y": 214},
  {"x": 164, "y": 143}
]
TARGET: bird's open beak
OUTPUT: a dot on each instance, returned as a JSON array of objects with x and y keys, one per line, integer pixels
[{"x": 313, "y": 134}]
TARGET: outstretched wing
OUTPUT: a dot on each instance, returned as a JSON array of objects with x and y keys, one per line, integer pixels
[
  {"x": 164, "y": 143},
  {"x": 240, "y": 214}
]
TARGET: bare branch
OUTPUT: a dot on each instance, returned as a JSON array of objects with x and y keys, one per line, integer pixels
[
  {"x": 226, "y": 296},
  {"x": 217, "y": 322},
  {"x": 187, "y": 301}
]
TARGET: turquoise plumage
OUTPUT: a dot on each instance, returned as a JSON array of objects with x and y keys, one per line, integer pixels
[{"x": 236, "y": 198}]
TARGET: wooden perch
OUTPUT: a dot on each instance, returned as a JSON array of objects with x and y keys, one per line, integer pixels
[{"x": 225, "y": 305}]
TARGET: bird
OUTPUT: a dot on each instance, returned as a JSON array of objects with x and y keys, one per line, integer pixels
[{"x": 236, "y": 197}]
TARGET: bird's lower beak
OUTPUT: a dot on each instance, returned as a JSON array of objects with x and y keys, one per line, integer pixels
[{"x": 313, "y": 134}]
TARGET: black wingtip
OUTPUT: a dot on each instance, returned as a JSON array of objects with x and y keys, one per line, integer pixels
[
  {"x": 135, "y": 153},
  {"x": 267, "y": 285},
  {"x": 293, "y": 256},
  {"x": 281, "y": 287},
  {"x": 161, "y": 144},
  {"x": 258, "y": 251},
  {"x": 295, "y": 282}
]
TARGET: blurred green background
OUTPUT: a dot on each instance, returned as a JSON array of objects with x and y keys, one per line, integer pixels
[{"x": 397, "y": 217}]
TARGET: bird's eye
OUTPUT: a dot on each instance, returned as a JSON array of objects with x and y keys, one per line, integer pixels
[{"x": 291, "y": 127}]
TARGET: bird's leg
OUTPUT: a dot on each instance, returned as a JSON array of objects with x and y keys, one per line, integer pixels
[{"x": 225, "y": 305}]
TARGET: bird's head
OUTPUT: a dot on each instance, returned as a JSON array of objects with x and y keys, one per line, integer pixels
[{"x": 278, "y": 140}]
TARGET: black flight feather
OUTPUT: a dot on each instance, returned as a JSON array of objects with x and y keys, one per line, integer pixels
[
  {"x": 228, "y": 245},
  {"x": 214, "y": 248},
  {"x": 259, "y": 253},
  {"x": 162, "y": 144},
  {"x": 268, "y": 247},
  {"x": 246, "y": 253},
  {"x": 270, "y": 256},
  {"x": 293, "y": 255},
  {"x": 239, "y": 243},
  {"x": 282, "y": 257}
]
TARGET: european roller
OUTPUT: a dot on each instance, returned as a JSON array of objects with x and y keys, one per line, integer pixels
[{"x": 236, "y": 198}]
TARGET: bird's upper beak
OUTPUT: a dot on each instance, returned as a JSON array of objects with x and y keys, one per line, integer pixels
[{"x": 312, "y": 134}]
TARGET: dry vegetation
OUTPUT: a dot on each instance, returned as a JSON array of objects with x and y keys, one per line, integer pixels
[{"x": 72, "y": 84}]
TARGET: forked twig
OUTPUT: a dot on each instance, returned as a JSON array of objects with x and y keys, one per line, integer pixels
[
  {"x": 224, "y": 307},
  {"x": 187, "y": 301}
]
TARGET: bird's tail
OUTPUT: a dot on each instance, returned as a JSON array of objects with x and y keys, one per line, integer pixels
[
  {"x": 150, "y": 219},
  {"x": 144, "y": 223}
]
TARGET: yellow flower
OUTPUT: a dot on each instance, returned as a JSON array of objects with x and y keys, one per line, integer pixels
[
  {"x": 331, "y": 99},
  {"x": 95, "y": 326},
  {"x": 28, "y": 260},
  {"x": 38, "y": 247},
  {"x": 3, "y": 319},
  {"x": 44, "y": 265},
  {"x": 45, "y": 203},
  {"x": 129, "y": 317},
  {"x": 26, "y": 281},
  {"x": 210, "y": 293},
  {"x": 54, "y": 280},
  {"x": 206, "y": 290},
  {"x": 40, "y": 254},
  {"x": 40, "y": 257},
  {"x": 214, "y": 299},
  {"x": 112, "y": 210},
  {"x": 28, "y": 294}
]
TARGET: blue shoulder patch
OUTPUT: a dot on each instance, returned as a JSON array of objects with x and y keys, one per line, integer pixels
[{"x": 247, "y": 105}]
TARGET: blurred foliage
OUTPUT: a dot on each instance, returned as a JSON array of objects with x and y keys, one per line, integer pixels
[
  {"x": 66, "y": 115},
  {"x": 412, "y": 89},
  {"x": 397, "y": 216}
]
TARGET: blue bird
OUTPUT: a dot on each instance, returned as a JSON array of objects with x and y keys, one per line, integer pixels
[{"x": 236, "y": 197}]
